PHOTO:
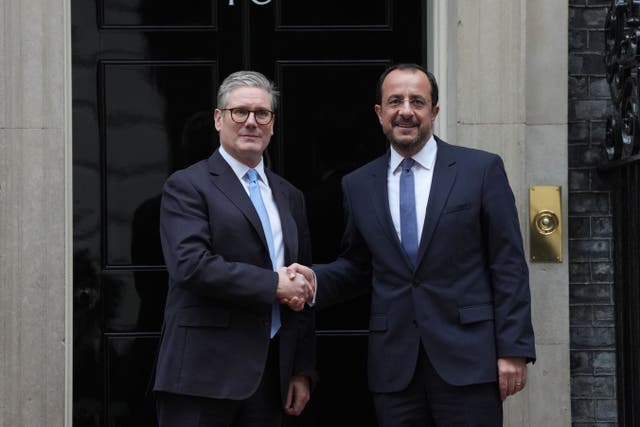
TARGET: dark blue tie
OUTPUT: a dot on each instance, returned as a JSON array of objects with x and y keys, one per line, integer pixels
[
  {"x": 256, "y": 199},
  {"x": 408, "y": 221}
]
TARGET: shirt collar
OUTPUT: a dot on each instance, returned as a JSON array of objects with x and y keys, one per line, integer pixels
[
  {"x": 239, "y": 168},
  {"x": 426, "y": 157}
]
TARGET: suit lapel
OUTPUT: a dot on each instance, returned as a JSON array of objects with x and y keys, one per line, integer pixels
[
  {"x": 379, "y": 191},
  {"x": 288, "y": 224},
  {"x": 227, "y": 182},
  {"x": 444, "y": 175}
]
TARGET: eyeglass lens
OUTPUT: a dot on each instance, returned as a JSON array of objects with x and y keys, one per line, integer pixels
[{"x": 241, "y": 115}]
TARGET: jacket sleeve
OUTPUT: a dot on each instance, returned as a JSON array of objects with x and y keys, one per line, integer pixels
[
  {"x": 191, "y": 259},
  {"x": 508, "y": 267},
  {"x": 350, "y": 274}
]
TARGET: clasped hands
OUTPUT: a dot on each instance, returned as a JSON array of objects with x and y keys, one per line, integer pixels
[{"x": 296, "y": 286}]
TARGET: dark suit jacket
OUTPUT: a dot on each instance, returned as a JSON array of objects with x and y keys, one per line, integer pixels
[
  {"x": 221, "y": 285},
  {"x": 467, "y": 300}
]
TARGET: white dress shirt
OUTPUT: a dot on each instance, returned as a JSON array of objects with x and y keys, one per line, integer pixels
[
  {"x": 240, "y": 169},
  {"x": 425, "y": 161}
]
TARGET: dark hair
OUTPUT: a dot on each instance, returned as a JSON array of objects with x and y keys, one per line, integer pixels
[{"x": 408, "y": 67}]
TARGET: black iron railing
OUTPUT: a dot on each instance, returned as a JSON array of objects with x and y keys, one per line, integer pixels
[
  {"x": 622, "y": 147},
  {"x": 622, "y": 61}
]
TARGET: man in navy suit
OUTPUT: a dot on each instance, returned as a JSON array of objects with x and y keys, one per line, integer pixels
[
  {"x": 231, "y": 354},
  {"x": 432, "y": 231}
]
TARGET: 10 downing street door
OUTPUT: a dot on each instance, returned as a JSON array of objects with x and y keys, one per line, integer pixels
[{"x": 145, "y": 76}]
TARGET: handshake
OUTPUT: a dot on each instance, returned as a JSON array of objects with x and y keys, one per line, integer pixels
[{"x": 296, "y": 286}]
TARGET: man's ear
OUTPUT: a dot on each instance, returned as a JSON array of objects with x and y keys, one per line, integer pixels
[
  {"x": 217, "y": 119},
  {"x": 434, "y": 112},
  {"x": 378, "y": 111}
]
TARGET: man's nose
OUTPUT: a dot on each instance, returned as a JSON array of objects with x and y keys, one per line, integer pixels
[
  {"x": 251, "y": 119},
  {"x": 405, "y": 108}
]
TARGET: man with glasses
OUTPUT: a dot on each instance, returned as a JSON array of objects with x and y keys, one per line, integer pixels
[
  {"x": 238, "y": 342},
  {"x": 432, "y": 230}
]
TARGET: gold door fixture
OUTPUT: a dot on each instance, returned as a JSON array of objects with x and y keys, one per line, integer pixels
[{"x": 545, "y": 223}]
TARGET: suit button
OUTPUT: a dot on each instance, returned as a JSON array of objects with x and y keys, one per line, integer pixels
[
  {"x": 415, "y": 282},
  {"x": 414, "y": 323}
]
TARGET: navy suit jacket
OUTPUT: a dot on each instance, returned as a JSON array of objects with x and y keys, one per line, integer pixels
[
  {"x": 221, "y": 285},
  {"x": 467, "y": 300}
]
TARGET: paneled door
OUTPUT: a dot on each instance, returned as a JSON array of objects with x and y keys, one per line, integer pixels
[{"x": 145, "y": 75}]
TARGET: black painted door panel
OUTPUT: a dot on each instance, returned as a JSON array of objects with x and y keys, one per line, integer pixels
[{"x": 145, "y": 75}]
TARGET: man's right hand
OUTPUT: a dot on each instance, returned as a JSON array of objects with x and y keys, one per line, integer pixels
[
  {"x": 306, "y": 272},
  {"x": 293, "y": 289}
]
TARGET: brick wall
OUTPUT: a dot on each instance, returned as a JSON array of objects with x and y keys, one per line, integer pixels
[{"x": 592, "y": 321}]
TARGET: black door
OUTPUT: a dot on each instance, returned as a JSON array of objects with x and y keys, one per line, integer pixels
[{"x": 145, "y": 74}]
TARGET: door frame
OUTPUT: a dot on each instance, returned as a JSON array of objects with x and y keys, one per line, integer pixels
[
  {"x": 431, "y": 21},
  {"x": 445, "y": 52}
]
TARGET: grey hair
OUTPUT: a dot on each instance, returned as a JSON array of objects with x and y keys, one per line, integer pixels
[{"x": 246, "y": 78}]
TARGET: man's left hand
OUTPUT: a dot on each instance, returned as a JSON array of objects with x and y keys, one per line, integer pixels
[
  {"x": 512, "y": 375},
  {"x": 298, "y": 395}
]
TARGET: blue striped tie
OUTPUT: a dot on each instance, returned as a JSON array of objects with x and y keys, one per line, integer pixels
[
  {"x": 256, "y": 199},
  {"x": 408, "y": 221}
]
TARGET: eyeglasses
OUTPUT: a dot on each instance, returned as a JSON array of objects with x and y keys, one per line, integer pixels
[
  {"x": 241, "y": 115},
  {"x": 415, "y": 103}
]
